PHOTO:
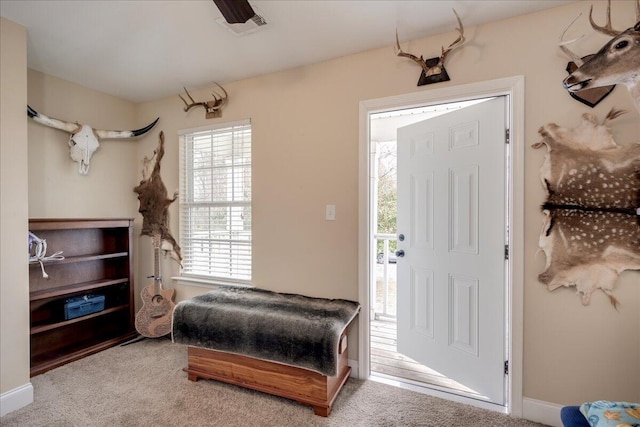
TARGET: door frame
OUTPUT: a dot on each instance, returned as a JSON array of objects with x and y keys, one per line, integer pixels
[{"x": 513, "y": 87}]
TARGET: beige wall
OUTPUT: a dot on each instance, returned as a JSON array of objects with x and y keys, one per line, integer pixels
[
  {"x": 305, "y": 155},
  {"x": 14, "y": 278},
  {"x": 56, "y": 188}
]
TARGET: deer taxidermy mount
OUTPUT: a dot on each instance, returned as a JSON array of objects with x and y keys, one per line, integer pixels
[
  {"x": 154, "y": 203},
  {"x": 592, "y": 96},
  {"x": 591, "y": 231},
  {"x": 213, "y": 108},
  {"x": 617, "y": 62},
  {"x": 433, "y": 70}
]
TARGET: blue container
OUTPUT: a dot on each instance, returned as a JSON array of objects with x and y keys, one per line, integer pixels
[{"x": 81, "y": 306}]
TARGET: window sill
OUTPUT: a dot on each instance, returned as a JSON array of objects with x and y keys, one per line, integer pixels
[{"x": 206, "y": 282}]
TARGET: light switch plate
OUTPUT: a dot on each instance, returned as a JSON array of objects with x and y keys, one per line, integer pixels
[{"x": 330, "y": 213}]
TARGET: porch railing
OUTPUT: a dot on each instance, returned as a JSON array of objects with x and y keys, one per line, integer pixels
[{"x": 384, "y": 289}]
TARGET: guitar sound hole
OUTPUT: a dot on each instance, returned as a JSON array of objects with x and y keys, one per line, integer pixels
[{"x": 157, "y": 299}]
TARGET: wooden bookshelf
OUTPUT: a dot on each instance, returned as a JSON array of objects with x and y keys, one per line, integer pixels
[{"x": 98, "y": 260}]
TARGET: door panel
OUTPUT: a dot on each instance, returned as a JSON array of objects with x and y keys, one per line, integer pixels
[
  {"x": 422, "y": 301},
  {"x": 463, "y": 209},
  {"x": 452, "y": 211},
  {"x": 463, "y": 296}
]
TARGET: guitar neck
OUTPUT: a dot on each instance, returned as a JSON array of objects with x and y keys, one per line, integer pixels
[{"x": 156, "y": 265}]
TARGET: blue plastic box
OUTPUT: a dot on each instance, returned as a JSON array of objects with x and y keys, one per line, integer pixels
[{"x": 81, "y": 306}]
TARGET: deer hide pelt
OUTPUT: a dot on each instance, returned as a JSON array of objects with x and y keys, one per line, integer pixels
[
  {"x": 591, "y": 229},
  {"x": 154, "y": 203}
]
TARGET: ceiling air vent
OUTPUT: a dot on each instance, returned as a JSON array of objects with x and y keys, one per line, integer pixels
[{"x": 251, "y": 26}]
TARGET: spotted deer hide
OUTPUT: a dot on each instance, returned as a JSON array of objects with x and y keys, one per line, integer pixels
[
  {"x": 591, "y": 229},
  {"x": 154, "y": 203}
]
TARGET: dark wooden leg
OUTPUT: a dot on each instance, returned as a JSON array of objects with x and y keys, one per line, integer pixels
[
  {"x": 322, "y": 411},
  {"x": 191, "y": 375}
]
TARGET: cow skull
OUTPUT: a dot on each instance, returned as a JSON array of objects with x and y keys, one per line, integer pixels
[{"x": 84, "y": 140}]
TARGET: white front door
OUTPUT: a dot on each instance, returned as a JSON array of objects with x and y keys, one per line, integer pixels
[{"x": 452, "y": 227}]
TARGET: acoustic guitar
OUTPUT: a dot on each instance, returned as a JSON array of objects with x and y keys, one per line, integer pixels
[{"x": 154, "y": 318}]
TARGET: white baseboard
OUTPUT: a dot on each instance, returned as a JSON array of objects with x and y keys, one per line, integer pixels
[
  {"x": 354, "y": 368},
  {"x": 16, "y": 399},
  {"x": 541, "y": 412}
]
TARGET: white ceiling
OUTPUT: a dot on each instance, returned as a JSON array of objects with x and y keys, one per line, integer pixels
[{"x": 142, "y": 50}]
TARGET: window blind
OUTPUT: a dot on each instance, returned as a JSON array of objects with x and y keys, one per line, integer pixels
[{"x": 215, "y": 201}]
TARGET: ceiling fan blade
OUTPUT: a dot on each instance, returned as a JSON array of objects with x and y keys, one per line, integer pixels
[{"x": 235, "y": 11}]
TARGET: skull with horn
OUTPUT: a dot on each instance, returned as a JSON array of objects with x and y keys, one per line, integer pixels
[{"x": 84, "y": 140}]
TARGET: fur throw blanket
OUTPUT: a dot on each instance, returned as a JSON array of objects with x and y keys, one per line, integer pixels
[{"x": 286, "y": 328}]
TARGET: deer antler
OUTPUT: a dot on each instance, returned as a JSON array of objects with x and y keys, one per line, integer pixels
[
  {"x": 220, "y": 100},
  {"x": 437, "y": 69},
  {"x": 212, "y": 107},
  {"x": 457, "y": 42},
  {"x": 608, "y": 29},
  {"x": 419, "y": 61},
  {"x": 188, "y": 106},
  {"x": 563, "y": 45}
]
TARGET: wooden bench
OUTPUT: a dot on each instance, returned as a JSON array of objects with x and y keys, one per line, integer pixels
[{"x": 211, "y": 359}]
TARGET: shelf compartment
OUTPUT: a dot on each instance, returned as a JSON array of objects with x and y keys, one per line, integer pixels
[
  {"x": 77, "y": 223},
  {"x": 75, "y": 288},
  {"x": 85, "y": 240},
  {"x": 47, "y": 327},
  {"x": 82, "y": 258},
  {"x": 90, "y": 270},
  {"x": 48, "y": 361},
  {"x": 77, "y": 339}
]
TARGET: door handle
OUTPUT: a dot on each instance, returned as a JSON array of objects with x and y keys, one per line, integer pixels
[{"x": 399, "y": 253}]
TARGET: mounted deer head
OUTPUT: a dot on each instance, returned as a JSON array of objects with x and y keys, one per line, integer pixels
[
  {"x": 433, "y": 68},
  {"x": 213, "y": 108},
  {"x": 617, "y": 62},
  {"x": 83, "y": 141}
]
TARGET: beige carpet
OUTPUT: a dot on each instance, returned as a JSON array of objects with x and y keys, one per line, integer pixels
[{"x": 143, "y": 384}]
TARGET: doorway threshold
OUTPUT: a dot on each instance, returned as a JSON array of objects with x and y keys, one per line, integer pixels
[{"x": 435, "y": 391}]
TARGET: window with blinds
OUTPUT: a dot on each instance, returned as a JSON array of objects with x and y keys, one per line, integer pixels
[{"x": 215, "y": 201}]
